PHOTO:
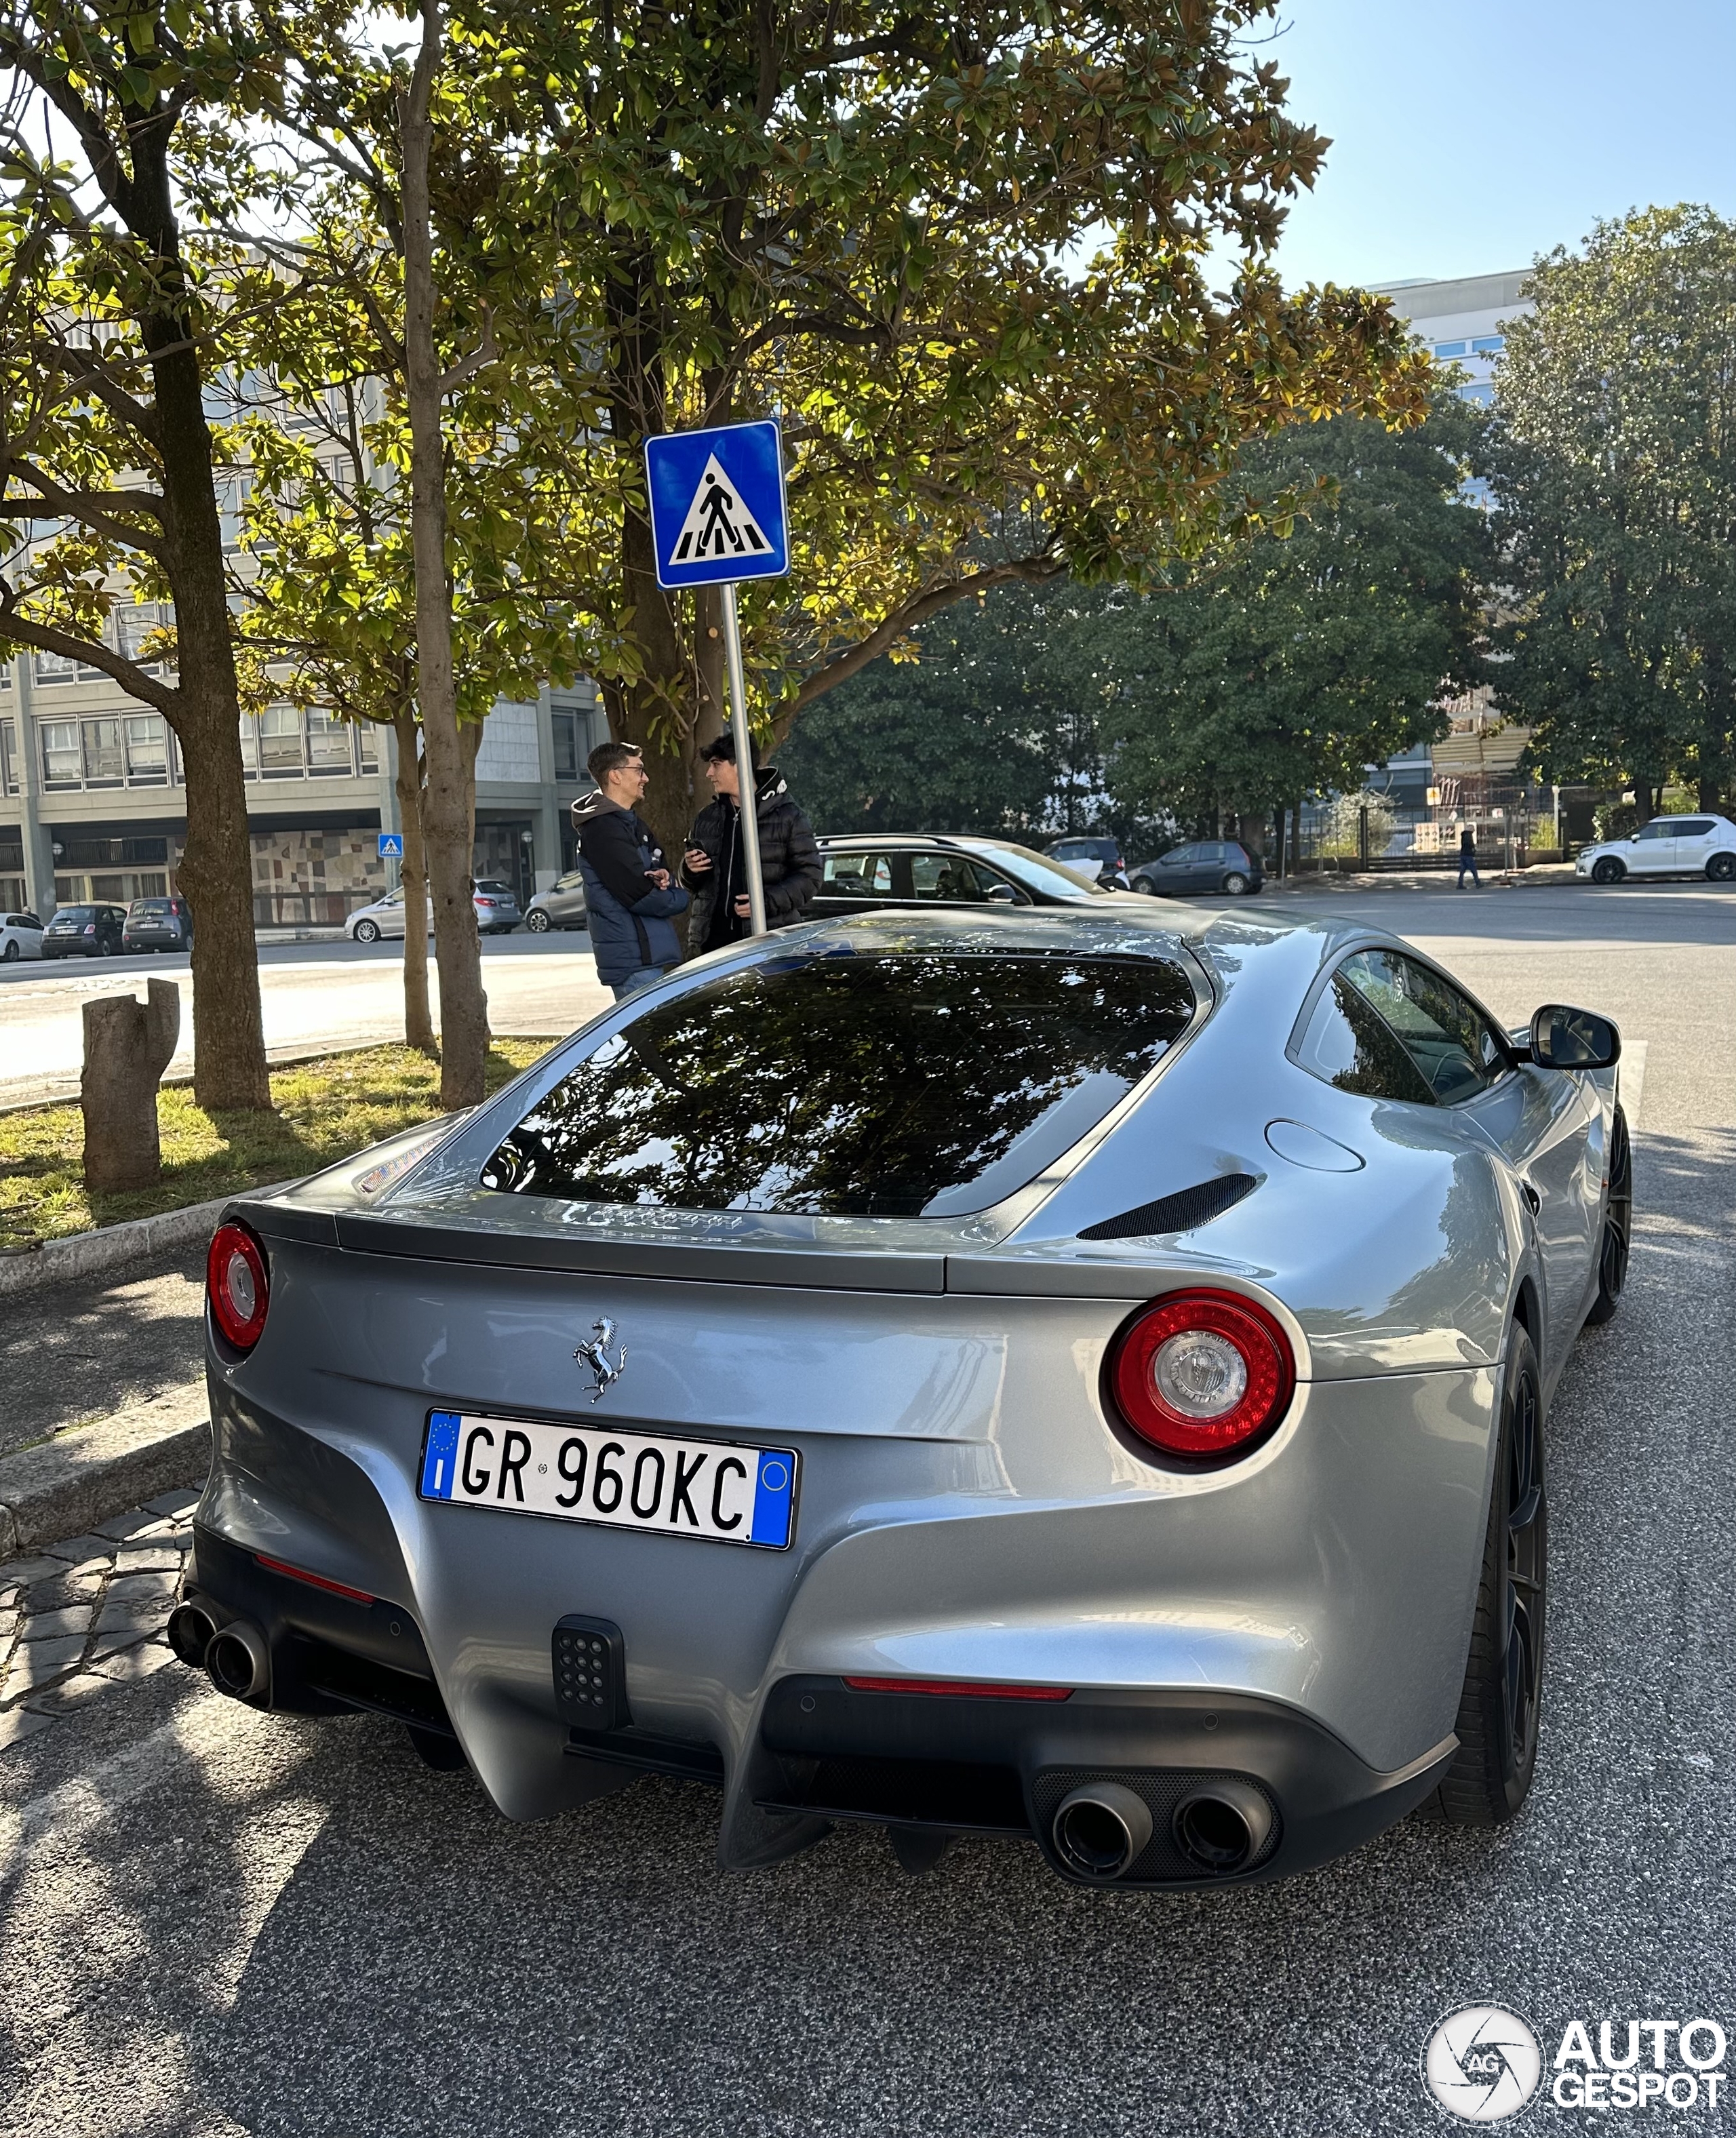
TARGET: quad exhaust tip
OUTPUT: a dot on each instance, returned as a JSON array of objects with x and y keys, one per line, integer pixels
[
  {"x": 1100, "y": 1830},
  {"x": 190, "y": 1629},
  {"x": 238, "y": 1661},
  {"x": 1223, "y": 1826}
]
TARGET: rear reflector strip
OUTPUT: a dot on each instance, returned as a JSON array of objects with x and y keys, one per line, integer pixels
[
  {"x": 313, "y": 1580},
  {"x": 958, "y": 1688}
]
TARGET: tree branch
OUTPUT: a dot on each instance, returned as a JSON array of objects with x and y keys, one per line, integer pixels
[
  {"x": 485, "y": 353},
  {"x": 90, "y": 653},
  {"x": 1030, "y": 571}
]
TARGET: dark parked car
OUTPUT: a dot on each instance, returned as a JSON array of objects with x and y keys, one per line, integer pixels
[
  {"x": 892, "y": 868},
  {"x": 1202, "y": 868},
  {"x": 159, "y": 924},
  {"x": 1097, "y": 854},
  {"x": 85, "y": 931}
]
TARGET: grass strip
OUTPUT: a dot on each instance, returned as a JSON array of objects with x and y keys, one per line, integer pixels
[{"x": 326, "y": 1110}]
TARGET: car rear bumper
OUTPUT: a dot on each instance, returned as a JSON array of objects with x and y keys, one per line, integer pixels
[{"x": 1301, "y": 1627}]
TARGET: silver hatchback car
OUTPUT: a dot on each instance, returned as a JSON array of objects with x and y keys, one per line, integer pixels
[
  {"x": 1081, "y": 1380},
  {"x": 562, "y": 905}
]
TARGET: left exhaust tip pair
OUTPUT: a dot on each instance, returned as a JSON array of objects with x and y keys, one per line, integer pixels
[{"x": 234, "y": 1655}]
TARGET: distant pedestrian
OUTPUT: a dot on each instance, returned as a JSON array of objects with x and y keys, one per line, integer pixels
[
  {"x": 629, "y": 900},
  {"x": 1468, "y": 859},
  {"x": 789, "y": 860}
]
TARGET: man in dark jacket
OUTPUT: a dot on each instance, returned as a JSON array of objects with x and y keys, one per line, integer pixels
[
  {"x": 713, "y": 867},
  {"x": 1468, "y": 859},
  {"x": 630, "y": 901}
]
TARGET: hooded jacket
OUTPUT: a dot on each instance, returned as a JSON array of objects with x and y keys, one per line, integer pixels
[
  {"x": 630, "y": 920},
  {"x": 790, "y": 868}
]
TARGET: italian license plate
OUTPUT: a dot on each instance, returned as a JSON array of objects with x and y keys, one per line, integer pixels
[{"x": 625, "y": 1480}]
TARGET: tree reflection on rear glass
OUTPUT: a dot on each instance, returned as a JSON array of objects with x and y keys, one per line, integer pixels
[{"x": 846, "y": 1085}]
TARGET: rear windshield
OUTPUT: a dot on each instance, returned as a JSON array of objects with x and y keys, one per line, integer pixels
[
  {"x": 907, "y": 1085},
  {"x": 76, "y": 913},
  {"x": 142, "y": 906}
]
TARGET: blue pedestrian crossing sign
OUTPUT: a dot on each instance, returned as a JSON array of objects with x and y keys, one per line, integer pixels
[
  {"x": 392, "y": 845},
  {"x": 717, "y": 505}
]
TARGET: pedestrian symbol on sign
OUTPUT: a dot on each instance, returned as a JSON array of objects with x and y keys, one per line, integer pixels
[{"x": 718, "y": 523}]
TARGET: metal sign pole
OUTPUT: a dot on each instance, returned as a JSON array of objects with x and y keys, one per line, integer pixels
[{"x": 747, "y": 799}]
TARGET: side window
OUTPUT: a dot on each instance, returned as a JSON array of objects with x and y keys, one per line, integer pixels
[
  {"x": 1655, "y": 831},
  {"x": 944, "y": 876},
  {"x": 1694, "y": 827},
  {"x": 1450, "y": 1044},
  {"x": 1180, "y": 857},
  {"x": 857, "y": 876}
]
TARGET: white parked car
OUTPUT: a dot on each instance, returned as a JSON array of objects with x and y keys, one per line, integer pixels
[
  {"x": 1668, "y": 846},
  {"x": 21, "y": 936},
  {"x": 496, "y": 904}
]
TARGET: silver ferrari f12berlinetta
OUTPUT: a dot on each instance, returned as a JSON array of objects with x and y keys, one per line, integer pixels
[{"x": 1081, "y": 1379}]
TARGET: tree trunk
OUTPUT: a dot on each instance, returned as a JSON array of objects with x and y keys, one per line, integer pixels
[
  {"x": 216, "y": 871},
  {"x": 413, "y": 879},
  {"x": 449, "y": 805},
  {"x": 128, "y": 1045}
]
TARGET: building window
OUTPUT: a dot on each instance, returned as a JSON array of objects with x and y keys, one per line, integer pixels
[
  {"x": 280, "y": 743},
  {"x": 329, "y": 747},
  {"x": 1490, "y": 345},
  {"x": 1449, "y": 349},
  {"x": 147, "y": 750},
  {"x": 566, "y": 745},
  {"x": 135, "y": 623},
  {"x": 104, "y": 765},
  {"x": 367, "y": 737},
  {"x": 51, "y": 668},
  {"x": 62, "y": 763},
  {"x": 1481, "y": 397},
  {"x": 9, "y": 757}
]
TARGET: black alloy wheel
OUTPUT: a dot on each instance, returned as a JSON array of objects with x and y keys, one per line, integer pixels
[
  {"x": 1618, "y": 1219},
  {"x": 1721, "y": 868},
  {"x": 1491, "y": 1773},
  {"x": 537, "y": 920},
  {"x": 12, "y": 954},
  {"x": 1608, "y": 870}
]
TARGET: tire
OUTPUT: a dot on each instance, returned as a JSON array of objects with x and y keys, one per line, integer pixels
[
  {"x": 1608, "y": 870},
  {"x": 1612, "y": 1249},
  {"x": 537, "y": 921},
  {"x": 1145, "y": 886},
  {"x": 1490, "y": 1776},
  {"x": 368, "y": 931},
  {"x": 1234, "y": 885},
  {"x": 11, "y": 954},
  {"x": 1721, "y": 868}
]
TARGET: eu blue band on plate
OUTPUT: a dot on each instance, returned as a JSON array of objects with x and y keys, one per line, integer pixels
[
  {"x": 440, "y": 1462},
  {"x": 771, "y": 1498}
]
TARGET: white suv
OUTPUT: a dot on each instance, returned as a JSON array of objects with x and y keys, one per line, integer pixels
[{"x": 1668, "y": 846}]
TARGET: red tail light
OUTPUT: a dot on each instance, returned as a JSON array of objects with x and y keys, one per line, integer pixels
[
  {"x": 1202, "y": 1374},
  {"x": 236, "y": 1285}
]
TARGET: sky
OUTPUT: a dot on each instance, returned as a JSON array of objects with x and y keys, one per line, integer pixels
[{"x": 1469, "y": 138}]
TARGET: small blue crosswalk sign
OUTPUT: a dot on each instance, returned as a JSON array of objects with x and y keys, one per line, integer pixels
[
  {"x": 392, "y": 845},
  {"x": 717, "y": 505}
]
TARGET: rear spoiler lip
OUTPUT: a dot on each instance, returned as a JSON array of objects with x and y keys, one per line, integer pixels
[{"x": 809, "y": 1269}]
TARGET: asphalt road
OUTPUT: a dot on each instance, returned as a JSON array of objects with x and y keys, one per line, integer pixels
[
  {"x": 313, "y": 995},
  {"x": 212, "y": 1921}
]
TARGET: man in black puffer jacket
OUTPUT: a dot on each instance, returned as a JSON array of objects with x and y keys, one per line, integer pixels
[{"x": 712, "y": 867}]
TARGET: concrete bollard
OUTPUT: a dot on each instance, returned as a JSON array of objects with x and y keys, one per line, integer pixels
[{"x": 128, "y": 1045}]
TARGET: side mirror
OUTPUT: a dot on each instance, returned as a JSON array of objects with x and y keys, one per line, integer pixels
[
  {"x": 1564, "y": 1038},
  {"x": 1000, "y": 893}
]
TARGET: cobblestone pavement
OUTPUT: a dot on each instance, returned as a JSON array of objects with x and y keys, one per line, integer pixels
[{"x": 79, "y": 1618}]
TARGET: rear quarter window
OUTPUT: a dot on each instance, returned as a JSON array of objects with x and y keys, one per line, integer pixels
[{"x": 899, "y": 1084}]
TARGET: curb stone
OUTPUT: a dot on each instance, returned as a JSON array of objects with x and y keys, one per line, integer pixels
[
  {"x": 83, "y": 1479},
  {"x": 112, "y": 1246}
]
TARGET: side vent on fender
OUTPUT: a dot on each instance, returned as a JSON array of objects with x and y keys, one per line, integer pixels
[{"x": 1179, "y": 1212}]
